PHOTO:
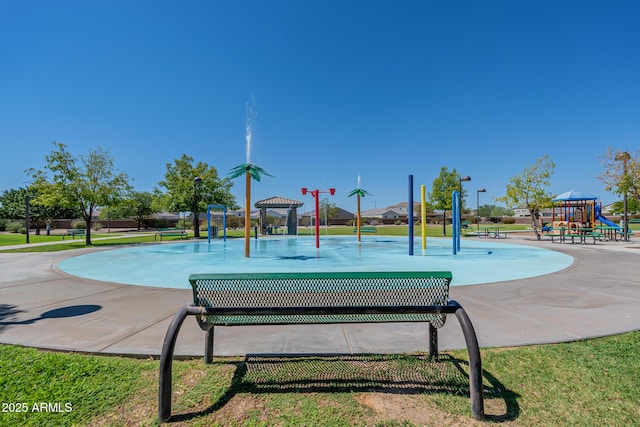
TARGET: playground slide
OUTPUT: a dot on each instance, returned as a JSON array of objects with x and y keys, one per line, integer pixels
[
  {"x": 606, "y": 221},
  {"x": 603, "y": 219}
]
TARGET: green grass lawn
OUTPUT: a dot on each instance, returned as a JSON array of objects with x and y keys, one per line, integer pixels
[
  {"x": 590, "y": 382},
  {"x": 117, "y": 238}
]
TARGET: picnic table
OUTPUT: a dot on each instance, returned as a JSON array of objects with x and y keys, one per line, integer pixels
[
  {"x": 576, "y": 235},
  {"x": 494, "y": 231},
  {"x": 609, "y": 232}
]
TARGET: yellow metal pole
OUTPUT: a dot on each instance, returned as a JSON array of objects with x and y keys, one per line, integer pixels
[
  {"x": 247, "y": 216},
  {"x": 423, "y": 217}
]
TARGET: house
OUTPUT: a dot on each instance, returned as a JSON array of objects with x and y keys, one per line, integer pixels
[
  {"x": 403, "y": 208},
  {"x": 383, "y": 213}
]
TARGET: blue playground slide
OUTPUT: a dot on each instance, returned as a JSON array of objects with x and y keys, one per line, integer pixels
[{"x": 603, "y": 219}]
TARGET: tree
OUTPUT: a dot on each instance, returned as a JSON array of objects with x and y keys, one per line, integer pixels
[
  {"x": 621, "y": 172},
  {"x": 182, "y": 187},
  {"x": 486, "y": 210},
  {"x": 327, "y": 209},
  {"x": 528, "y": 189},
  {"x": 440, "y": 196},
  {"x": 13, "y": 206},
  {"x": 84, "y": 182},
  {"x": 633, "y": 207},
  {"x": 136, "y": 205}
]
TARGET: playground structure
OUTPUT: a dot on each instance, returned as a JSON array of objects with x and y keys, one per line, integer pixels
[{"x": 576, "y": 210}]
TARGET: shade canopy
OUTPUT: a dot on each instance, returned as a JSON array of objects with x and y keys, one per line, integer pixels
[
  {"x": 278, "y": 202},
  {"x": 574, "y": 195}
]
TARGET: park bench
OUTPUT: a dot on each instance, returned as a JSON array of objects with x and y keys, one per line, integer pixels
[
  {"x": 163, "y": 232},
  {"x": 366, "y": 229},
  {"x": 232, "y": 299},
  {"x": 466, "y": 224},
  {"x": 634, "y": 221},
  {"x": 73, "y": 232}
]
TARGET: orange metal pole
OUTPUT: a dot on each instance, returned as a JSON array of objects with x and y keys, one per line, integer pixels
[
  {"x": 358, "y": 217},
  {"x": 247, "y": 216}
]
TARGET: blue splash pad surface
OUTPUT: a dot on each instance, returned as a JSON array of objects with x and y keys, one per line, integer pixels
[{"x": 169, "y": 265}]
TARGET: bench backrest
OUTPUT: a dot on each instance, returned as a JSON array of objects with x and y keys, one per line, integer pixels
[{"x": 322, "y": 289}]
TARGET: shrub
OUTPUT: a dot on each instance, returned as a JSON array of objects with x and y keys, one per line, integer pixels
[
  {"x": 96, "y": 226},
  {"x": 3, "y": 224},
  {"x": 16, "y": 227},
  {"x": 508, "y": 220},
  {"x": 183, "y": 224},
  {"x": 78, "y": 224},
  {"x": 234, "y": 222}
]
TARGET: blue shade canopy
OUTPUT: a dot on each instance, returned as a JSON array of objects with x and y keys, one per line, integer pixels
[{"x": 574, "y": 195}]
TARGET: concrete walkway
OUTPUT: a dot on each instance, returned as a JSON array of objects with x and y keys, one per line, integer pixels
[{"x": 41, "y": 306}]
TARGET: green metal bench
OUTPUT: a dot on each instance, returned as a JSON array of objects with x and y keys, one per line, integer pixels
[
  {"x": 366, "y": 229},
  {"x": 163, "y": 232},
  {"x": 582, "y": 237},
  {"x": 229, "y": 299},
  {"x": 73, "y": 232}
]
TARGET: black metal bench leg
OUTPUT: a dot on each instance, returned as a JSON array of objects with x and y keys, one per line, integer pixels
[
  {"x": 208, "y": 345},
  {"x": 476, "y": 391},
  {"x": 433, "y": 342},
  {"x": 166, "y": 359}
]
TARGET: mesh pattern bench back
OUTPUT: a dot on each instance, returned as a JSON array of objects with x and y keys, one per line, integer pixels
[{"x": 319, "y": 289}]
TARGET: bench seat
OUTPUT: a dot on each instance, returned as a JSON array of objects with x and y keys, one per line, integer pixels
[
  {"x": 163, "y": 232},
  {"x": 367, "y": 229},
  {"x": 232, "y": 299},
  {"x": 73, "y": 232}
]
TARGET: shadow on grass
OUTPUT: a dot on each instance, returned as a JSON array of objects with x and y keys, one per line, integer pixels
[{"x": 396, "y": 374}]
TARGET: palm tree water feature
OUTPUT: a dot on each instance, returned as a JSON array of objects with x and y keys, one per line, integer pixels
[
  {"x": 360, "y": 193},
  {"x": 169, "y": 265},
  {"x": 250, "y": 171}
]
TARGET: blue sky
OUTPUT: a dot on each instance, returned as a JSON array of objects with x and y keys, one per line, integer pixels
[{"x": 339, "y": 88}]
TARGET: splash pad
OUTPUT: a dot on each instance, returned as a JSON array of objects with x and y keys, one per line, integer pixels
[{"x": 169, "y": 265}]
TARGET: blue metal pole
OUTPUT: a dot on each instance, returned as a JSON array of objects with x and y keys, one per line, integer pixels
[
  {"x": 410, "y": 216},
  {"x": 209, "y": 224},
  {"x": 454, "y": 221}
]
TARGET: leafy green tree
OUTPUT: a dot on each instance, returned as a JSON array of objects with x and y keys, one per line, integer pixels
[
  {"x": 528, "y": 189},
  {"x": 85, "y": 182},
  {"x": 633, "y": 206},
  {"x": 440, "y": 196},
  {"x": 13, "y": 206},
  {"x": 499, "y": 211},
  {"x": 136, "y": 205},
  {"x": 181, "y": 185},
  {"x": 621, "y": 172},
  {"x": 486, "y": 210},
  {"x": 327, "y": 209}
]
